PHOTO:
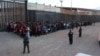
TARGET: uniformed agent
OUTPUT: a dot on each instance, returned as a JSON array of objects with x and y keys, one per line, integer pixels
[
  {"x": 70, "y": 35},
  {"x": 26, "y": 41},
  {"x": 80, "y": 31}
]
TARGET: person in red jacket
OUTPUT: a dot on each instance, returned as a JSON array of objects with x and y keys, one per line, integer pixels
[{"x": 38, "y": 29}]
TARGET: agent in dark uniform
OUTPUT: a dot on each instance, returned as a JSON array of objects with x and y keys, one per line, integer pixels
[
  {"x": 26, "y": 41},
  {"x": 70, "y": 35},
  {"x": 80, "y": 31}
]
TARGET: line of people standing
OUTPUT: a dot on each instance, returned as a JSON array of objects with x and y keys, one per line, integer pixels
[{"x": 37, "y": 29}]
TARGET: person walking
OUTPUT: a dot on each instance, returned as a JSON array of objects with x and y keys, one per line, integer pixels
[
  {"x": 70, "y": 35},
  {"x": 26, "y": 40},
  {"x": 80, "y": 31}
]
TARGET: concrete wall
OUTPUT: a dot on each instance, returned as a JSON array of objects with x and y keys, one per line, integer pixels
[
  {"x": 85, "y": 12},
  {"x": 67, "y": 11},
  {"x": 80, "y": 11},
  {"x": 42, "y": 7},
  {"x": 97, "y": 12}
]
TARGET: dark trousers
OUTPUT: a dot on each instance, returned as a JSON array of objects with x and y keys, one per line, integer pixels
[
  {"x": 26, "y": 45},
  {"x": 99, "y": 42},
  {"x": 80, "y": 34},
  {"x": 39, "y": 33},
  {"x": 70, "y": 41}
]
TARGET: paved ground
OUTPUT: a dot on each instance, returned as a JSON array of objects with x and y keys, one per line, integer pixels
[{"x": 54, "y": 44}]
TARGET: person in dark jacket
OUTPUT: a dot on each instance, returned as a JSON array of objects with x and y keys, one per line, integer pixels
[
  {"x": 70, "y": 35},
  {"x": 26, "y": 44},
  {"x": 80, "y": 31}
]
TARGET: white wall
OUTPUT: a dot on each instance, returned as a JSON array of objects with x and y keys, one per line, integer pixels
[
  {"x": 85, "y": 12},
  {"x": 42, "y": 7},
  {"x": 98, "y": 12}
]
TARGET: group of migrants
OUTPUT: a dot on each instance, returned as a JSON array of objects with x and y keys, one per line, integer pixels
[
  {"x": 38, "y": 29},
  {"x": 25, "y": 30}
]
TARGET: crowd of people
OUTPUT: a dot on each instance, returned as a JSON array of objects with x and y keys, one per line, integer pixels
[{"x": 37, "y": 29}]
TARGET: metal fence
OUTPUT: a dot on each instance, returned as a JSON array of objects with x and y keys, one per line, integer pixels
[
  {"x": 34, "y": 15},
  {"x": 16, "y": 11},
  {"x": 11, "y": 11}
]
